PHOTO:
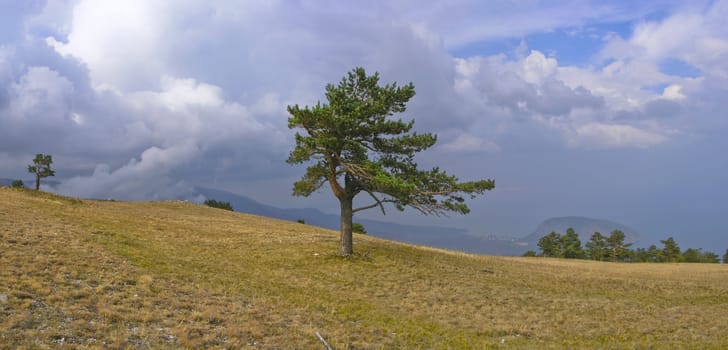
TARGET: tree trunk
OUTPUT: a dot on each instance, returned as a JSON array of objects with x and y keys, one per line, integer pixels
[
  {"x": 37, "y": 182},
  {"x": 345, "y": 241}
]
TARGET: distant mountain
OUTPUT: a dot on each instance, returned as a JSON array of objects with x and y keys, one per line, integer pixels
[
  {"x": 584, "y": 227},
  {"x": 433, "y": 236}
]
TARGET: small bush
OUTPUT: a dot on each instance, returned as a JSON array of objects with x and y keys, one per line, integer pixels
[
  {"x": 530, "y": 253},
  {"x": 17, "y": 184},
  {"x": 219, "y": 204},
  {"x": 301, "y": 221},
  {"x": 358, "y": 228}
]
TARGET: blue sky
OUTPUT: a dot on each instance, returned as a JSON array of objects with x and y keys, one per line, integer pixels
[{"x": 608, "y": 109}]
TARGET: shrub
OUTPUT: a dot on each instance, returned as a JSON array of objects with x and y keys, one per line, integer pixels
[
  {"x": 17, "y": 184},
  {"x": 220, "y": 205},
  {"x": 358, "y": 228},
  {"x": 301, "y": 221}
]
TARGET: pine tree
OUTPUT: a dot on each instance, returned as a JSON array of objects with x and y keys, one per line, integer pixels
[
  {"x": 41, "y": 168},
  {"x": 550, "y": 245},
  {"x": 671, "y": 251},
  {"x": 596, "y": 248},
  {"x": 619, "y": 250},
  {"x": 571, "y": 245},
  {"x": 357, "y": 148}
]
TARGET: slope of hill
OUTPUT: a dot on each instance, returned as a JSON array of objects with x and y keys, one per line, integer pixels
[
  {"x": 584, "y": 227},
  {"x": 103, "y": 274},
  {"x": 432, "y": 236}
]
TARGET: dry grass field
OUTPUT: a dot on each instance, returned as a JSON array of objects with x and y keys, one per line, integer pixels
[{"x": 101, "y": 274}]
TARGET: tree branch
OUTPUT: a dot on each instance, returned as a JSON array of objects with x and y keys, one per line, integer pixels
[
  {"x": 379, "y": 203},
  {"x": 367, "y": 207},
  {"x": 335, "y": 186}
]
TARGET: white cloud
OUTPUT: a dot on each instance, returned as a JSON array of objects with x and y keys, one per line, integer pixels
[
  {"x": 41, "y": 93},
  {"x": 663, "y": 39},
  {"x": 179, "y": 95},
  {"x": 696, "y": 37},
  {"x": 537, "y": 68},
  {"x": 145, "y": 178},
  {"x": 597, "y": 135},
  {"x": 673, "y": 92},
  {"x": 121, "y": 42},
  {"x": 467, "y": 22}
]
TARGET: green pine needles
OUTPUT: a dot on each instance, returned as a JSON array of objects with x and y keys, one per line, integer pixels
[
  {"x": 356, "y": 147},
  {"x": 41, "y": 168}
]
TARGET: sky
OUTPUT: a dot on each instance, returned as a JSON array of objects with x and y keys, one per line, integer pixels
[{"x": 607, "y": 109}]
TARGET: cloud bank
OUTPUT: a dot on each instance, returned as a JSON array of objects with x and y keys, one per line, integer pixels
[{"x": 145, "y": 99}]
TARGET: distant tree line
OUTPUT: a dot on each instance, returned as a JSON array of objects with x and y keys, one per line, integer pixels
[{"x": 613, "y": 248}]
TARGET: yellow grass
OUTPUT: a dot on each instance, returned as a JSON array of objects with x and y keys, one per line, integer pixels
[{"x": 98, "y": 274}]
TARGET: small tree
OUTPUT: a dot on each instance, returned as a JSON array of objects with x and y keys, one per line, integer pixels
[
  {"x": 640, "y": 255},
  {"x": 596, "y": 248},
  {"x": 618, "y": 250},
  {"x": 709, "y": 257},
  {"x": 550, "y": 245},
  {"x": 725, "y": 257},
  {"x": 671, "y": 251},
  {"x": 220, "y": 205},
  {"x": 651, "y": 254},
  {"x": 571, "y": 245},
  {"x": 692, "y": 255},
  {"x": 654, "y": 254},
  {"x": 17, "y": 184},
  {"x": 357, "y": 148},
  {"x": 41, "y": 168}
]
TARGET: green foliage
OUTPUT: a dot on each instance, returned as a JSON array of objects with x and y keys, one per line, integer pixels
[
  {"x": 358, "y": 228},
  {"x": 571, "y": 245},
  {"x": 725, "y": 257},
  {"x": 17, "y": 184},
  {"x": 550, "y": 245},
  {"x": 217, "y": 204},
  {"x": 530, "y": 253},
  {"x": 618, "y": 250},
  {"x": 692, "y": 255},
  {"x": 356, "y": 147},
  {"x": 613, "y": 248},
  {"x": 597, "y": 248},
  {"x": 651, "y": 254},
  {"x": 301, "y": 221},
  {"x": 709, "y": 257},
  {"x": 670, "y": 251},
  {"x": 41, "y": 168},
  {"x": 557, "y": 246}
]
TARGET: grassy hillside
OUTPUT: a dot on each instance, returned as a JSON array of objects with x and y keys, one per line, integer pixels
[{"x": 96, "y": 274}]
